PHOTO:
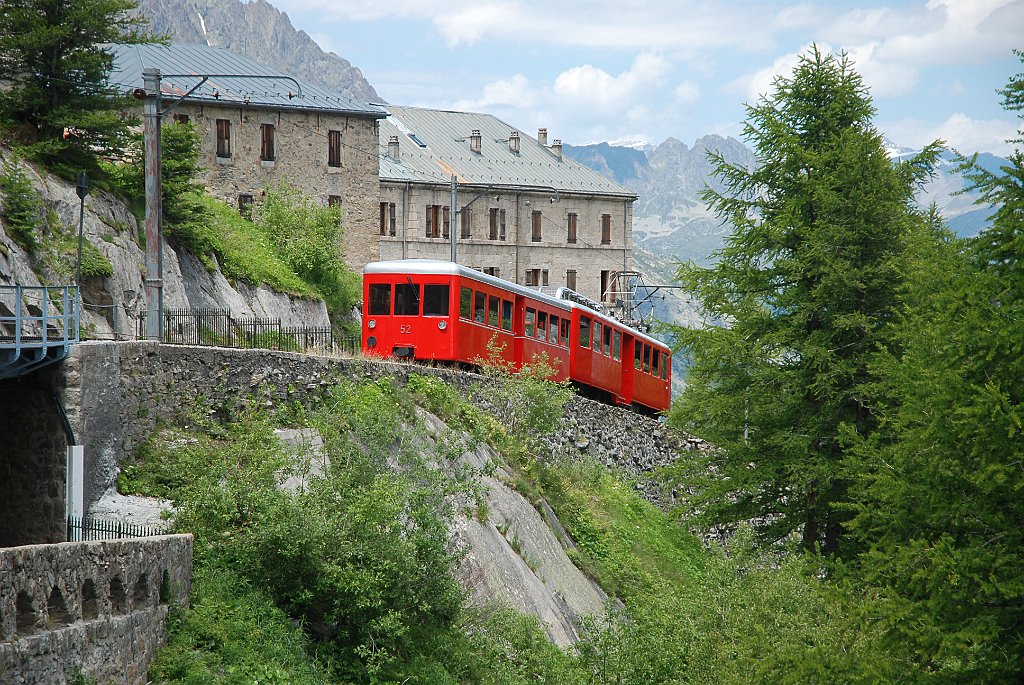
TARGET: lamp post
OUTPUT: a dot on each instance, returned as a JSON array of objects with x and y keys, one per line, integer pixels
[{"x": 82, "y": 188}]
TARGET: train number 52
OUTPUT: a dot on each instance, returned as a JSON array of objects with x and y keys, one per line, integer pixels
[{"x": 405, "y": 328}]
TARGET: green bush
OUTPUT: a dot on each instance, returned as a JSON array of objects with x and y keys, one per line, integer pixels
[{"x": 307, "y": 235}]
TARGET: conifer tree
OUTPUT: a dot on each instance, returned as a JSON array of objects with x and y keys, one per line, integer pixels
[
  {"x": 55, "y": 67},
  {"x": 941, "y": 506},
  {"x": 802, "y": 291}
]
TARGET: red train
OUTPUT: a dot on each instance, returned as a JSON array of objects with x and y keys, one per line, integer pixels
[{"x": 432, "y": 310}]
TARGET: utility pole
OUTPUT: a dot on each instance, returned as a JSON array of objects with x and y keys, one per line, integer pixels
[
  {"x": 451, "y": 229},
  {"x": 82, "y": 188},
  {"x": 154, "y": 254}
]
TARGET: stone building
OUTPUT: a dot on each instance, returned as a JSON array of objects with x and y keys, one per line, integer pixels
[
  {"x": 259, "y": 128},
  {"x": 524, "y": 212}
]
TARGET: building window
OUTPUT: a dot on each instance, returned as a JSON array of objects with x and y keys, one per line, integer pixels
[
  {"x": 267, "y": 143},
  {"x": 245, "y": 202},
  {"x": 387, "y": 218},
  {"x": 570, "y": 279},
  {"x": 544, "y": 277},
  {"x": 334, "y": 148},
  {"x": 466, "y": 222},
  {"x": 334, "y": 201},
  {"x": 492, "y": 271},
  {"x": 181, "y": 118},
  {"x": 446, "y": 221},
  {"x": 537, "y": 219},
  {"x": 501, "y": 225},
  {"x": 605, "y": 285},
  {"x": 432, "y": 229},
  {"x": 606, "y": 229},
  {"x": 533, "y": 277},
  {"x": 493, "y": 223},
  {"x": 571, "y": 227},
  {"x": 223, "y": 138}
]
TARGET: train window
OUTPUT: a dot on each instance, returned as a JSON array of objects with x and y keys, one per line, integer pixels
[
  {"x": 647, "y": 358},
  {"x": 479, "y": 301},
  {"x": 492, "y": 311},
  {"x": 407, "y": 299},
  {"x": 584, "y": 331},
  {"x": 380, "y": 299},
  {"x": 565, "y": 333},
  {"x": 506, "y": 314},
  {"x": 553, "y": 330},
  {"x": 606, "y": 349},
  {"x": 655, "y": 362},
  {"x": 597, "y": 336},
  {"x": 542, "y": 325},
  {"x": 466, "y": 303},
  {"x": 617, "y": 346},
  {"x": 637, "y": 355},
  {"x": 665, "y": 362},
  {"x": 435, "y": 300},
  {"x": 531, "y": 317}
]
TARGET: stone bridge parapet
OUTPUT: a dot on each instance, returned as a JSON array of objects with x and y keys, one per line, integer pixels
[{"x": 94, "y": 609}]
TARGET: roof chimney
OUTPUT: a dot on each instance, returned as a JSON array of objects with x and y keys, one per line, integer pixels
[
  {"x": 513, "y": 142},
  {"x": 393, "y": 147},
  {"x": 542, "y": 136},
  {"x": 475, "y": 140},
  {"x": 556, "y": 147}
]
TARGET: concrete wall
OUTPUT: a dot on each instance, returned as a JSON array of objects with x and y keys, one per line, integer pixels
[
  {"x": 33, "y": 459},
  {"x": 301, "y": 160},
  {"x": 88, "y": 608},
  {"x": 518, "y": 252}
]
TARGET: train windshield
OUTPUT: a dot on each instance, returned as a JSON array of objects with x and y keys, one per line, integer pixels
[
  {"x": 435, "y": 300},
  {"x": 407, "y": 299}
]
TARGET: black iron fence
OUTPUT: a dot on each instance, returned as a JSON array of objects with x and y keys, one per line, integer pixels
[
  {"x": 85, "y": 528},
  {"x": 217, "y": 327}
]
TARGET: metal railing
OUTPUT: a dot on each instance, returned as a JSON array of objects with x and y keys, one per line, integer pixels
[
  {"x": 218, "y": 328},
  {"x": 86, "y": 528},
  {"x": 38, "y": 324}
]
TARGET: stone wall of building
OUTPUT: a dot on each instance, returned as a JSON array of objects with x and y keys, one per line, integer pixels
[
  {"x": 93, "y": 609},
  {"x": 301, "y": 159},
  {"x": 118, "y": 393},
  {"x": 33, "y": 459},
  {"x": 518, "y": 252}
]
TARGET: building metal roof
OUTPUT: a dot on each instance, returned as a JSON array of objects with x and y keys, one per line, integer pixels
[
  {"x": 435, "y": 144},
  {"x": 235, "y": 84}
]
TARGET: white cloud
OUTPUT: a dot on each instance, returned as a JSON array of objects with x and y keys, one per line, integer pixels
[
  {"x": 469, "y": 24},
  {"x": 959, "y": 31},
  {"x": 883, "y": 78},
  {"x": 512, "y": 92},
  {"x": 752, "y": 86},
  {"x": 959, "y": 131},
  {"x": 686, "y": 93},
  {"x": 589, "y": 86}
]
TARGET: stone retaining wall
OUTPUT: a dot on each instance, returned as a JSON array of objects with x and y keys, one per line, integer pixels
[
  {"x": 95, "y": 609},
  {"x": 119, "y": 392}
]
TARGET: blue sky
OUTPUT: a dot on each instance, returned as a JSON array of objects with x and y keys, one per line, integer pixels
[{"x": 602, "y": 70}]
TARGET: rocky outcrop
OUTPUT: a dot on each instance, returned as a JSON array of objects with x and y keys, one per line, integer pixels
[
  {"x": 113, "y": 305},
  {"x": 260, "y": 32}
]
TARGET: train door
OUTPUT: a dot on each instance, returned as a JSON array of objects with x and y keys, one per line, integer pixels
[{"x": 628, "y": 369}]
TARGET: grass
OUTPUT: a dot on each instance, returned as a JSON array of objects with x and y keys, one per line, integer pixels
[{"x": 241, "y": 251}]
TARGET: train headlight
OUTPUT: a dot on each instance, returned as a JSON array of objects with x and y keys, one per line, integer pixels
[
  {"x": 371, "y": 324},
  {"x": 371, "y": 341},
  {"x": 442, "y": 325}
]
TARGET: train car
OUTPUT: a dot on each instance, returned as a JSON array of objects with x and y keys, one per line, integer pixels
[{"x": 429, "y": 310}]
